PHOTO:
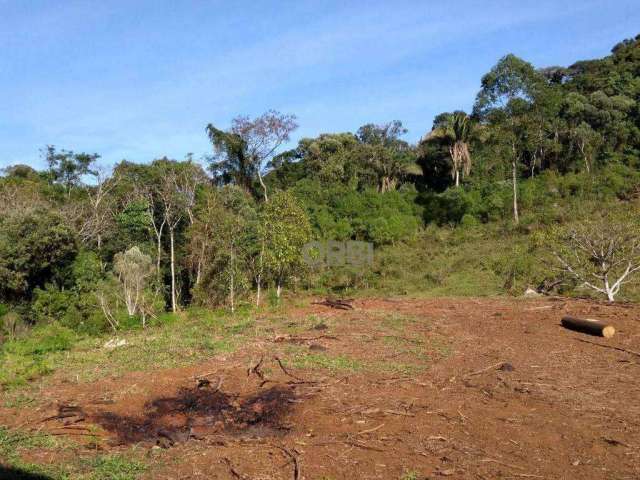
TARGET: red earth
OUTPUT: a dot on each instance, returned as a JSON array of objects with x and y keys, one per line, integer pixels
[{"x": 395, "y": 388}]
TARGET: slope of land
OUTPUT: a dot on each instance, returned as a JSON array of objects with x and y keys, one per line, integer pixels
[{"x": 395, "y": 388}]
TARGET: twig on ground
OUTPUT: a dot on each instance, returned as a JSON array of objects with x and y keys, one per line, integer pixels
[
  {"x": 370, "y": 430},
  {"x": 294, "y": 459},
  {"x": 286, "y": 372},
  {"x": 363, "y": 446},
  {"x": 256, "y": 369},
  {"x": 620, "y": 349},
  {"x": 486, "y": 369}
]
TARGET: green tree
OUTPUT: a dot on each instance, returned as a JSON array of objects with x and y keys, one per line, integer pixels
[
  {"x": 67, "y": 167},
  {"x": 505, "y": 100},
  {"x": 455, "y": 130},
  {"x": 389, "y": 157},
  {"x": 35, "y": 249},
  {"x": 285, "y": 229}
]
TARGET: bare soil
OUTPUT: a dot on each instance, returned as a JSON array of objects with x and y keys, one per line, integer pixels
[{"x": 457, "y": 388}]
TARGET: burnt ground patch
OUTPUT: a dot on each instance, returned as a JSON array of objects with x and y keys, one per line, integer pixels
[{"x": 198, "y": 412}]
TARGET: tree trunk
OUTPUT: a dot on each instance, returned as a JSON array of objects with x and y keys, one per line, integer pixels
[
  {"x": 200, "y": 263},
  {"x": 174, "y": 303},
  {"x": 264, "y": 187},
  {"x": 259, "y": 276},
  {"x": 158, "y": 255},
  {"x": 258, "y": 290},
  {"x": 582, "y": 147},
  {"x": 231, "y": 282},
  {"x": 457, "y": 178},
  {"x": 279, "y": 289},
  {"x": 514, "y": 173}
]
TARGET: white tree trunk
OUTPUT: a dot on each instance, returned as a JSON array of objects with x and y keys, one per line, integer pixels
[
  {"x": 174, "y": 302},
  {"x": 457, "y": 178},
  {"x": 514, "y": 173},
  {"x": 264, "y": 187},
  {"x": 232, "y": 283}
]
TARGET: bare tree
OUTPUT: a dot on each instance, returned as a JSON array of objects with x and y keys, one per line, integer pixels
[
  {"x": 173, "y": 209},
  {"x": 97, "y": 214},
  {"x": 187, "y": 181},
  {"x": 21, "y": 197},
  {"x": 603, "y": 255},
  {"x": 133, "y": 269}
]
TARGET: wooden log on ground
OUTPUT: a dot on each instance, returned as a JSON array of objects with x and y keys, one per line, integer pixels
[{"x": 589, "y": 326}]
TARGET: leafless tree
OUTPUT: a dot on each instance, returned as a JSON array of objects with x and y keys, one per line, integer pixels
[
  {"x": 263, "y": 136},
  {"x": 97, "y": 214},
  {"x": 603, "y": 255}
]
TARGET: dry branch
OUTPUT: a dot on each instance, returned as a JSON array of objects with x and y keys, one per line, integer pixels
[
  {"x": 336, "y": 303},
  {"x": 620, "y": 349}
]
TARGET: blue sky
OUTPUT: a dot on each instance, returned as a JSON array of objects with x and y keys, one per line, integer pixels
[{"x": 141, "y": 79}]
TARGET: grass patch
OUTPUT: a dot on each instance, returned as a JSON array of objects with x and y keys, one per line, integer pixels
[
  {"x": 326, "y": 362},
  {"x": 114, "y": 467},
  {"x": 14, "y": 443},
  {"x": 173, "y": 341},
  {"x": 18, "y": 400},
  {"x": 410, "y": 475},
  {"x": 397, "y": 321}
]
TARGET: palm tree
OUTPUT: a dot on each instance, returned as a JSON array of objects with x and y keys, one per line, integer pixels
[{"x": 455, "y": 130}]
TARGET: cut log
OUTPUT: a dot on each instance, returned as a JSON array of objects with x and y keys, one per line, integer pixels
[{"x": 588, "y": 325}]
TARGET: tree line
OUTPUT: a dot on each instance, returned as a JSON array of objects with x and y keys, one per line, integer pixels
[{"x": 97, "y": 249}]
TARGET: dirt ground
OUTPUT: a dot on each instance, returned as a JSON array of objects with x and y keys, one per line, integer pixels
[{"x": 395, "y": 388}]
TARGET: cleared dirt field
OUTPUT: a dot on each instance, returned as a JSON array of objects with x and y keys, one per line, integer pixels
[{"x": 457, "y": 388}]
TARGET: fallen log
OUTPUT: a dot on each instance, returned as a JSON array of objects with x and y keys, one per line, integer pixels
[
  {"x": 336, "y": 303},
  {"x": 590, "y": 326}
]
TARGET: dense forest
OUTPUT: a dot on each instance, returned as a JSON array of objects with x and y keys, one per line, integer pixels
[{"x": 473, "y": 209}]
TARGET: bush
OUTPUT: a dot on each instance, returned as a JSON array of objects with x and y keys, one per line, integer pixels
[{"x": 26, "y": 359}]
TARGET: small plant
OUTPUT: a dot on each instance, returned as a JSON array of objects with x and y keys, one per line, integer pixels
[{"x": 410, "y": 475}]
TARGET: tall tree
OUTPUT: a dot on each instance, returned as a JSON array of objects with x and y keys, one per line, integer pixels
[
  {"x": 243, "y": 151},
  {"x": 505, "y": 99}
]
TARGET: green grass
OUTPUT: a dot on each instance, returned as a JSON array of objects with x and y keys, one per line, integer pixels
[
  {"x": 398, "y": 321},
  {"x": 326, "y": 362},
  {"x": 18, "y": 400},
  {"x": 13, "y": 443},
  {"x": 410, "y": 475},
  {"x": 170, "y": 343},
  {"x": 114, "y": 467},
  {"x": 70, "y": 465}
]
